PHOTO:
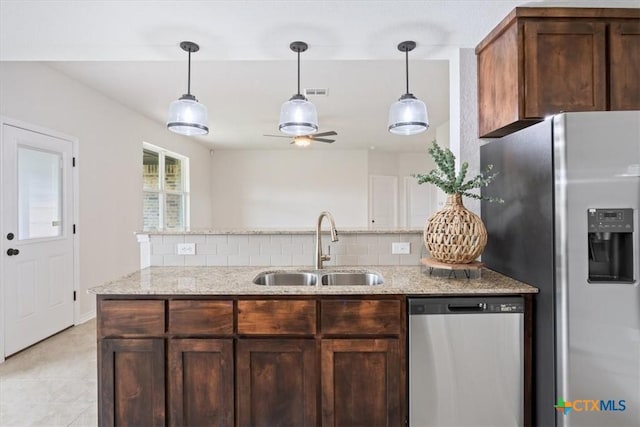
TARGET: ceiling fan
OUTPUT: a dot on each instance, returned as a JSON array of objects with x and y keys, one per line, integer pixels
[{"x": 305, "y": 140}]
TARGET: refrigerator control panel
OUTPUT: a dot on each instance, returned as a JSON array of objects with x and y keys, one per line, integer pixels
[{"x": 610, "y": 220}]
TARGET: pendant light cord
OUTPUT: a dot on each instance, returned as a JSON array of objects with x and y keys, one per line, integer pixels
[
  {"x": 298, "y": 72},
  {"x": 406, "y": 53},
  {"x": 189, "y": 75}
]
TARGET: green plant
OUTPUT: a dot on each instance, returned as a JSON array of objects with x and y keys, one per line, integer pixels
[{"x": 446, "y": 179}]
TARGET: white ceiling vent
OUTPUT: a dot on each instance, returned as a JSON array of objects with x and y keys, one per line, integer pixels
[{"x": 316, "y": 92}]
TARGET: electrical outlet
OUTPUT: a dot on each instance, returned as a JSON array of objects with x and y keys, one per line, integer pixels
[
  {"x": 186, "y": 248},
  {"x": 400, "y": 248}
]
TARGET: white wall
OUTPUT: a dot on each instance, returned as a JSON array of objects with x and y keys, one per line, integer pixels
[
  {"x": 110, "y": 164},
  {"x": 288, "y": 188}
]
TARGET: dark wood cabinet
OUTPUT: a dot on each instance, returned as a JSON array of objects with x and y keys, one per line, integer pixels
[
  {"x": 276, "y": 382},
  {"x": 131, "y": 382},
  {"x": 543, "y": 61},
  {"x": 201, "y": 382},
  {"x": 252, "y": 361},
  {"x": 361, "y": 382}
]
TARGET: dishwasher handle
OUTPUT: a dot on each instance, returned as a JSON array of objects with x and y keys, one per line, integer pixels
[{"x": 467, "y": 308}]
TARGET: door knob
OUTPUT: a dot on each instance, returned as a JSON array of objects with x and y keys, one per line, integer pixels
[
  {"x": 10, "y": 236},
  {"x": 12, "y": 252}
]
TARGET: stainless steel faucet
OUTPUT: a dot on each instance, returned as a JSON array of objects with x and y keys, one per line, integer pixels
[{"x": 334, "y": 238}]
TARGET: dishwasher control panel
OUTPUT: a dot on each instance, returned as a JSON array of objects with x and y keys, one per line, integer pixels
[{"x": 465, "y": 305}]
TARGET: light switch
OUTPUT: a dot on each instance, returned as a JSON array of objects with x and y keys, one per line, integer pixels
[
  {"x": 186, "y": 248},
  {"x": 400, "y": 248}
]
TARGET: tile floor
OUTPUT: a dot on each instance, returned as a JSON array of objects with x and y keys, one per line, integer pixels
[{"x": 52, "y": 383}]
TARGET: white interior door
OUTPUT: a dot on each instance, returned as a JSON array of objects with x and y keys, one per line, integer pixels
[
  {"x": 383, "y": 201},
  {"x": 37, "y": 226},
  {"x": 421, "y": 201}
]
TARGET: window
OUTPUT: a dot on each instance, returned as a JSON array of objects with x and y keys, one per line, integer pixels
[{"x": 165, "y": 189}]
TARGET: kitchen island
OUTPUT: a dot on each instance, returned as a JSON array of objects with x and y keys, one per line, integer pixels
[{"x": 207, "y": 346}]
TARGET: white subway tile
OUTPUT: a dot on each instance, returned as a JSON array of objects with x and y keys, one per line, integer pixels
[
  {"x": 346, "y": 260},
  {"x": 389, "y": 259},
  {"x": 294, "y": 248},
  {"x": 259, "y": 239},
  {"x": 238, "y": 260},
  {"x": 367, "y": 238},
  {"x": 197, "y": 239},
  {"x": 172, "y": 240},
  {"x": 271, "y": 249},
  {"x": 368, "y": 260},
  {"x": 280, "y": 239},
  {"x": 195, "y": 260},
  {"x": 259, "y": 260},
  {"x": 206, "y": 249},
  {"x": 217, "y": 239},
  {"x": 157, "y": 260},
  {"x": 230, "y": 248},
  {"x": 411, "y": 259},
  {"x": 303, "y": 260},
  {"x": 358, "y": 249},
  {"x": 217, "y": 260},
  {"x": 174, "y": 260},
  {"x": 338, "y": 248},
  {"x": 281, "y": 260},
  {"x": 155, "y": 239},
  {"x": 163, "y": 249}
]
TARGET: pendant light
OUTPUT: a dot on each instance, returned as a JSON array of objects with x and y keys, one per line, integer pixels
[
  {"x": 186, "y": 115},
  {"x": 298, "y": 116},
  {"x": 408, "y": 115}
]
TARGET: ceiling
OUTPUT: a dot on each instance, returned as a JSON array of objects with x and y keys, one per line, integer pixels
[{"x": 128, "y": 50}]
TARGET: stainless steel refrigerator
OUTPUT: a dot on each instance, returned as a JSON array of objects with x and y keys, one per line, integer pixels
[{"x": 569, "y": 226}]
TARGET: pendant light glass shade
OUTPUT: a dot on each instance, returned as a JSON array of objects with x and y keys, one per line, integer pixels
[
  {"x": 186, "y": 115},
  {"x": 298, "y": 116},
  {"x": 408, "y": 115}
]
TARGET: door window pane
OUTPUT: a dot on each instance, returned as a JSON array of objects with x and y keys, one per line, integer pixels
[
  {"x": 172, "y": 174},
  {"x": 39, "y": 194},
  {"x": 151, "y": 170},
  {"x": 174, "y": 211},
  {"x": 151, "y": 211}
]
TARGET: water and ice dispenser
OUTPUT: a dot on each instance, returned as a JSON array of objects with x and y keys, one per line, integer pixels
[{"x": 610, "y": 234}]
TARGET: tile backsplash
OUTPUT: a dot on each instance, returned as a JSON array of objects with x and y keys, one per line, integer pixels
[{"x": 294, "y": 249}]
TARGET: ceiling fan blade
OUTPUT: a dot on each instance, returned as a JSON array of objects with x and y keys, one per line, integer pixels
[
  {"x": 324, "y": 140},
  {"x": 328, "y": 133},
  {"x": 278, "y": 136}
]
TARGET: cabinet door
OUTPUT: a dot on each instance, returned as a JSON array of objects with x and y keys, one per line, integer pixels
[
  {"x": 564, "y": 67},
  {"x": 132, "y": 382},
  {"x": 361, "y": 382},
  {"x": 201, "y": 382},
  {"x": 624, "y": 74},
  {"x": 276, "y": 382}
]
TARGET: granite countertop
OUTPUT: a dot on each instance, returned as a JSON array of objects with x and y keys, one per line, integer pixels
[
  {"x": 348, "y": 230},
  {"x": 407, "y": 280}
]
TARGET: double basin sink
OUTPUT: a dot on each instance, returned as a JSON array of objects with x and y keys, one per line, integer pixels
[{"x": 318, "y": 277}]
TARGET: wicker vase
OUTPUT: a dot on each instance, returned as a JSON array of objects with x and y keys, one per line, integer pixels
[{"x": 455, "y": 235}]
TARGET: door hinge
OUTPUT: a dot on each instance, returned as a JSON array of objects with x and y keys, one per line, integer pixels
[
  {"x": 74, "y": 295},
  {"x": 74, "y": 229},
  {"x": 73, "y": 162}
]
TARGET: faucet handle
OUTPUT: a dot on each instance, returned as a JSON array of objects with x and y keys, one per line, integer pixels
[{"x": 327, "y": 256}]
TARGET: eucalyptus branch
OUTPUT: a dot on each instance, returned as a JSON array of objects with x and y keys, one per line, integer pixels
[{"x": 447, "y": 180}]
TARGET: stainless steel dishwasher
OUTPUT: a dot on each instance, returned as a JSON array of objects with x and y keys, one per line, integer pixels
[{"x": 466, "y": 361}]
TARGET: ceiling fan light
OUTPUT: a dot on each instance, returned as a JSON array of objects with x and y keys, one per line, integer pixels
[
  {"x": 302, "y": 141},
  {"x": 298, "y": 116},
  {"x": 408, "y": 116},
  {"x": 188, "y": 117}
]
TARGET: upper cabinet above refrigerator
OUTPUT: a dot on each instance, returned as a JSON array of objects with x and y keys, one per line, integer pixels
[{"x": 542, "y": 61}]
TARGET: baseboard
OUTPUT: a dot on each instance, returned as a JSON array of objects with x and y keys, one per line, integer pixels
[{"x": 86, "y": 317}]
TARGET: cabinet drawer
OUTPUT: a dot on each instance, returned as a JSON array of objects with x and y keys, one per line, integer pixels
[
  {"x": 361, "y": 317},
  {"x": 201, "y": 317},
  {"x": 276, "y": 317},
  {"x": 131, "y": 317}
]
